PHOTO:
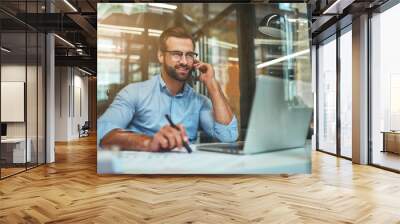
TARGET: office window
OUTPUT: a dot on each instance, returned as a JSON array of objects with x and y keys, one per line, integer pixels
[
  {"x": 327, "y": 96},
  {"x": 385, "y": 87},
  {"x": 346, "y": 93}
]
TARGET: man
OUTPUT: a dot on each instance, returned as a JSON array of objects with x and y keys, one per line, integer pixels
[{"x": 136, "y": 118}]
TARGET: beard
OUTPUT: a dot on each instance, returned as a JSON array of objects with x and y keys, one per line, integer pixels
[{"x": 178, "y": 72}]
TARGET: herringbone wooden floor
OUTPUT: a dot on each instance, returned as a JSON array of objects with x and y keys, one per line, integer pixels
[{"x": 70, "y": 191}]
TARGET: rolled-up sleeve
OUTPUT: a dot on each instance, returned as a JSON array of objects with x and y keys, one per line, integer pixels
[
  {"x": 224, "y": 133},
  {"x": 118, "y": 114}
]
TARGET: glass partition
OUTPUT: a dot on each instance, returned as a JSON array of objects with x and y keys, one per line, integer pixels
[
  {"x": 22, "y": 88},
  {"x": 13, "y": 110},
  {"x": 327, "y": 96}
]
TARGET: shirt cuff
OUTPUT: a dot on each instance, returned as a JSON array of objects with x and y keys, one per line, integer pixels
[{"x": 228, "y": 132}]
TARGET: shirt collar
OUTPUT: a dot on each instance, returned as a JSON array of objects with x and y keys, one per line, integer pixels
[
  {"x": 161, "y": 81},
  {"x": 163, "y": 86}
]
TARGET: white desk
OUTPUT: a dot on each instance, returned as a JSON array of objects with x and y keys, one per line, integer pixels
[
  {"x": 291, "y": 161},
  {"x": 18, "y": 149}
]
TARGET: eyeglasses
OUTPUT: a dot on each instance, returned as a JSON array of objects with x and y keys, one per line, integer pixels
[{"x": 177, "y": 55}]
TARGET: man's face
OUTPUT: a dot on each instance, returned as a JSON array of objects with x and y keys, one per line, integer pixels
[{"x": 174, "y": 61}]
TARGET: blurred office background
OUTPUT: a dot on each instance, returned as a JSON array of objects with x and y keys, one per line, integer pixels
[{"x": 239, "y": 40}]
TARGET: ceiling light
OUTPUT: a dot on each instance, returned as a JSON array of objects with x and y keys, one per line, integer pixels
[
  {"x": 79, "y": 51},
  {"x": 70, "y": 5},
  {"x": 163, "y": 5},
  {"x": 107, "y": 30},
  {"x": 65, "y": 41},
  {"x": 112, "y": 55},
  {"x": 155, "y": 34},
  {"x": 233, "y": 59},
  {"x": 121, "y": 29},
  {"x": 222, "y": 44},
  {"x": 297, "y": 20},
  {"x": 287, "y": 57},
  {"x": 84, "y": 71},
  {"x": 106, "y": 47},
  {"x": 338, "y": 6},
  {"x": 130, "y": 28},
  {"x": 155, "y": 31},
  {"x": 134, "y": 57},
  {"x": 188, "y": 18},
  {"x": 5, "y": 50}
]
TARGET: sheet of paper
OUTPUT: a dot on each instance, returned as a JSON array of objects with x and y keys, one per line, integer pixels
[{"x": 180, "y": 162}]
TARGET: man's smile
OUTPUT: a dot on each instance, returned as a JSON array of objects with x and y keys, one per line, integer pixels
[{"x": 182, "y": 69}]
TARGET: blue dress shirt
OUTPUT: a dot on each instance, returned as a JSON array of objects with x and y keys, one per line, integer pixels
[{"x": 141, "y": 108}]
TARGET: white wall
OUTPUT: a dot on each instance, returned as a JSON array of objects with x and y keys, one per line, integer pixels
[
  {"x": 33, "y": 127},
  {"x": 61, "y": 103},
  {"x": 12, "y": 73},
  {"x": 79, "y": 117},
  {"x": 70, "y": 83}
]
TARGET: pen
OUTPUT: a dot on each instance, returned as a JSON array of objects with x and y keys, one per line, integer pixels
[{"x": 189, "y": 150}]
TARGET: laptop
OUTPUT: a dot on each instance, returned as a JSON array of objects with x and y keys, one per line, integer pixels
[{"x": 275, "y": 123}]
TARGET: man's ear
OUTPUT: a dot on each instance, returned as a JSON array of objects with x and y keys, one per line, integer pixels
[{"x": 160, "y": 57}]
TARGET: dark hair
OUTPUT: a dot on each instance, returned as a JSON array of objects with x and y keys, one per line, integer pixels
[{"x": 178, "y": 32}]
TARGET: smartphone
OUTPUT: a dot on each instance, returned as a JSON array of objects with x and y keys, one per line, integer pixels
[{"x": 194, "y": 75}]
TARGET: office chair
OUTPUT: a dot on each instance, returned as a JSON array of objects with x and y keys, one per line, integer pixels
[{"x": 84, "y": 130}]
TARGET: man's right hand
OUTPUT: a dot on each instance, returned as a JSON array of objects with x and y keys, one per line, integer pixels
[{"x": 168, "y": 138}]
